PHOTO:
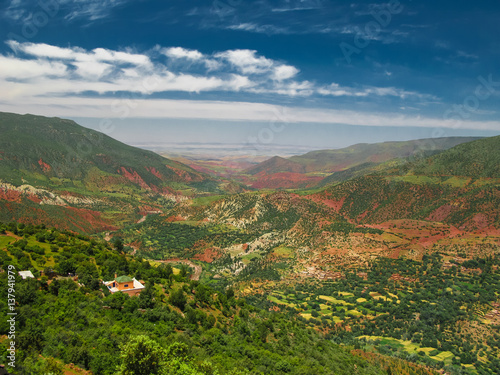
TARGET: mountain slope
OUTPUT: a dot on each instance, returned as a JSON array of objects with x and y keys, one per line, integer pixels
[
  {"x": 479, "y": 158},
  {"x": 386, "y": 201},
  {"x": 341, "y": 159},
  {"x": 309, "y": 170},
  {"x": 54, "y": 170},
  {"x": 348, "y": 174},
  {"x": 275, "y": 165},
  {"x": 457, "y": 186},
  {"x": 53, "y": 147}
]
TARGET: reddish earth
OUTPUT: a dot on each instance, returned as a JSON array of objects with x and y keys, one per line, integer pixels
[
  {"x": 45, "y": 166},
  {"x": 395, "y": 253},
  {"x": 90, "y": 217},
  {"x": 69, "y": 218},
  {"x": 202, "y": 169},
  {"x": 133, "y": 177},
  {"x": 34, "y": 198},
  {"x": 16, "y": 196},
  {"x": 208, "y": 255},
  {"x": 171, "y": 219},
  {"x": 480, "y": 220},
  {"x": 185, "y": 176},
  {"x": 155, "y": 172},
  {"x": 336, "y": 204},
  {"x": 134, "y": 244},
  {"x": 441, "y": 213},
  {"x": 10, "y": 195},
  {"x": 10, "y": 234},
  {"x": 362, "y": 216},
  {"x": 334, "y": 251}
]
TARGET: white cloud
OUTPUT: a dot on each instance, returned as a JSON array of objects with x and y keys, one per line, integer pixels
[
  {"x": 283, "y": 72},
  {"x": 102, "y": 54},
  {"x": 50, "y": 80},
  {"x": 42, "y": 50},
  {"x": 212, "y": 64},
  {"x": 293, "y": 89},
  {"x": 246, "y": 61},
  {"x": 53, "y": 70},
  {"x": 263, "y": 29},
  {"x": 18, "y": 69},
  {"x": 92, "y": 69},
  {"x": 92, "y": 9},
  {"x": 179, "y": 53},
  {"x": 337, "y": 90}
]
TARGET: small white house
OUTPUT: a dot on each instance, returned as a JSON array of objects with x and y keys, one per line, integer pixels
[{"x": 26, "y": 274}]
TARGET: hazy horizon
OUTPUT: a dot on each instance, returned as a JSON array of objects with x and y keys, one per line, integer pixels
[{"x": 225, "y": 138}]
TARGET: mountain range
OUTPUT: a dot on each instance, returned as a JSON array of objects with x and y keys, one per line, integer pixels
[
  {"x": 389, "y": 249},
  {"x": 322, "y": 167},
  {"x": 79, "y": 176}
]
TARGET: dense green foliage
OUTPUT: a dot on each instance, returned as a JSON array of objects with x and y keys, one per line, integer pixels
[
  {"x": 427, "y": 305},
  {"x": 189, "y": 328},
  {"x": 480, "y": 158},
  {"x": 161, "y": 239}
]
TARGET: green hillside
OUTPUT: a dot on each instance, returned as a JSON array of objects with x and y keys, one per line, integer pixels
[
  {"x": 191, "y": 328},
  {"x": 275, "y": 165},
  {"x": 36, "y": 148},
  {"x": 476, "y": 159},
  {"x": 341, "y": 159},
  {"x": 350, "y": 173}
]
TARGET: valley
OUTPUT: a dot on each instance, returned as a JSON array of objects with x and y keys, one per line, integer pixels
[{"x": 386, "y": 256}]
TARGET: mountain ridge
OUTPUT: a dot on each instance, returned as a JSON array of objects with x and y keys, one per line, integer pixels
[
  {"x": 53, "y": 167},
  {"x": 341, "y": 159}
]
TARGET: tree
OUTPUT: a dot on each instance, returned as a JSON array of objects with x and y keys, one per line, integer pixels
[
  {"x": 27, "y": 291},
  {"x": 146, "y": 298},
  {"x": 165, "y": 270},
  {"x": 53, "y": 367},
  {"x": 183, "y": 271},
  {"x": 117, "y": 300},
  {"x": 178, "y": 299},
  {"x": 142, "y": 356},
  {"x": 88, "y": 275},
  {"x": 118, "y": 244},
  {"x": 66, "y": 266}
]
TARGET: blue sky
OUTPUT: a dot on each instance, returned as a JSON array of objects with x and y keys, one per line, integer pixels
[{"x": 268, "y": 72}]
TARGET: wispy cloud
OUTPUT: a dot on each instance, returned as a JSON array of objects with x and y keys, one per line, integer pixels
[
  {"x": 69, "y": 9},
  {"x": 261, "y": 29},
  {"x": 337, "y": 90},
  {"x": 242, "y": 111}
]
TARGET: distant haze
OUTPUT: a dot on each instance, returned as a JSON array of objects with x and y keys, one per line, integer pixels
[{"x": 231, "y": 138}]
